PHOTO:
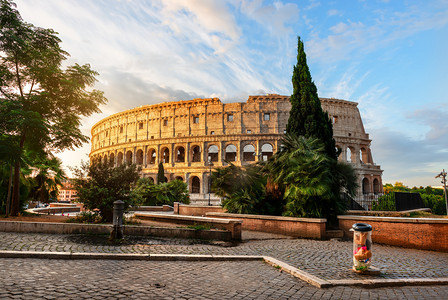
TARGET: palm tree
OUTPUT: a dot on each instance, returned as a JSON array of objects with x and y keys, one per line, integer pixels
[
  {"x": 242, "y": 188},
  {"x": 47, "y": 177},
  {"x": 312, "y": 180}
]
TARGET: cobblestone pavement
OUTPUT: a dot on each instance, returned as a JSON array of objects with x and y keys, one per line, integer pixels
[
  {"x": 325, "y": 259},
  {"x": 112, "y": 279}
]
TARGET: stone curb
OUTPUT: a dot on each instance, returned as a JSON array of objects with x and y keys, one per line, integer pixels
[{"x": 307, "y": 277}]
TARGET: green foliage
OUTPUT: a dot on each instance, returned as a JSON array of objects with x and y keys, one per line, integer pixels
[
  {"x": 47, "y": 177},
  {"x": 41, "y": 104},
  {"x": 384, "y": 203},
  {"x": 307, "y": 117},
  {"x": 147, "y": 193},
  {"x": 436, "y": 203},
  {"x": 243, "y": 189},
  {"x": 86, "y": 217},
  {"x": 161, "y": 174},
  {"x": 100, "y": 184},
  {"x": 313, "y": 181}
]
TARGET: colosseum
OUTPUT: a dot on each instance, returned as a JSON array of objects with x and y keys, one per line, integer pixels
[{"x": 192, "y": 137}]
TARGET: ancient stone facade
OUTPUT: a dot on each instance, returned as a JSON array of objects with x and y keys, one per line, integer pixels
[{"x": 191, "y": 137}]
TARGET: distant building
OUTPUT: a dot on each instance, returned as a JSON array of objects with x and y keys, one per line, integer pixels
[
  {"x": 67, "y": 192},
  {"x": 185, "y": 135}
]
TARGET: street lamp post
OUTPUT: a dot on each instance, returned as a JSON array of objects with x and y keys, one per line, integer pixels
[
  {"x": 443, "y": 176},
  {"x": 210, "y": 164}
]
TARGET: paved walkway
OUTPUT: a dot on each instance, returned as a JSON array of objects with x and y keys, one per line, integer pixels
[
  {"x": 328, "y": 260},
  {"x": 110, "y": 279}
]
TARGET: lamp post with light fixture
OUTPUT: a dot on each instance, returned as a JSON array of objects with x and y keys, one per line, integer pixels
[{"x": 443, "y": 176}]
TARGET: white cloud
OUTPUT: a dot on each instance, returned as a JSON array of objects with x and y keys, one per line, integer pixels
[{"x": 273, "y": 16}]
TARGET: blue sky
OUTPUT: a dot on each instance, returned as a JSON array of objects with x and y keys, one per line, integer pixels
[{"x": 389, "y": 56}]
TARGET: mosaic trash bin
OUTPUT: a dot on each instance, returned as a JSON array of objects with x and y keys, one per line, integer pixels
[{"x": 362, "y": 247}]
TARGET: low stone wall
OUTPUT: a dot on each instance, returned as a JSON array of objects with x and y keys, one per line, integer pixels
[
  {"x": 296, "y": 227},
  {"x": 74, "y": 228},
  {"x": 57, "y": 210},
  {"x": 234, "y": 226},
  {"x": 153, "y": 208},
  {"x": 418, "y": 233},
  {"x": 198, "y": 210}
]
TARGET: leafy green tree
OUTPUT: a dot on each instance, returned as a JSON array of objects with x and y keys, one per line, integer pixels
[
  {"x": 161, "y": 174},
  {"x": 100, "y": 184},
  {"x": 313, "y": 181},
  {"x": 41, "y": 103},
  {"x": 307, "y": 117},
  {"x": 148, "y": 193}
]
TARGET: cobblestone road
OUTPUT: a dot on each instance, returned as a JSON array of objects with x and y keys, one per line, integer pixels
[
  {"x": 325, "y": 259},
  {"x": 110, "y": 279}
]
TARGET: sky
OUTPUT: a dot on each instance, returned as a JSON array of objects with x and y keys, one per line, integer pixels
[{"x": 391, "y": 57}]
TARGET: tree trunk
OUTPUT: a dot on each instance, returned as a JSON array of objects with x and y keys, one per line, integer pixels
[
  {"x": 8, "y": 197},
  {"x": 16, "y": 194}
]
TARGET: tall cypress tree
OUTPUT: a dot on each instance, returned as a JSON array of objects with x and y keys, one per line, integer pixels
[
  {"x": 161, "y": 174},
  {"x": 307, "y": 117}
]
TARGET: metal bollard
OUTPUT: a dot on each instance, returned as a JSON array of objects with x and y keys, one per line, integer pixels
[{"x": 117, "y": 230}]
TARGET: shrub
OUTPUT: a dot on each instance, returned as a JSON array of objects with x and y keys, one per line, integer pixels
[
  {"x": 148, "y": 193},
  {"x": 385, "y": 203}
]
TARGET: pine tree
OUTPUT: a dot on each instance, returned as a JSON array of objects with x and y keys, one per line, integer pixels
[
  {"x": 307, "y": 117},
  {"x": 161, "y": 174}
]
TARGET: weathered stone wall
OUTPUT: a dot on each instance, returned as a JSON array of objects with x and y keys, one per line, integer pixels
[{"x": 185, "y": 135}]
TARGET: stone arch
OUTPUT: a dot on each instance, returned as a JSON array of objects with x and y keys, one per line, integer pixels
[
  {"x": 230, "y": 153},
  {"x": 179, "y": 153},
  {"x": 364, "y": 155},
  {"x": 120, "y": 158},
  {"x": 196, "y": 153},
  {"x": 151, "y": 157},
  {"x": 249, "y": 153},
  {"x": 267, "y": 150},
  {"x": 212, "y": 153},
  {"x": 350, "y": 154},
  {"x": 365, "y": 186},
  {"x": 195, "y": 186},
  {"x": 376, "y": 186},
  {"x": 112, "y": 159},
  {"x": 151, "y": 179},
  {"x": 139, "y": 157},
  {"x": 129, "y": 157},
  {"x": 105, "y": 161},
  {"x": 179, "y": 178},
  {"x": 165, "y": 155}
]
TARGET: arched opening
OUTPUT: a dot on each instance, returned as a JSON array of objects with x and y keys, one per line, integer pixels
[
  {"x": 365, "y": 186},
  {"x": 151, "y": 158},
  {"x": 179, "y": 178},
  {"x": 151, "y": 180},
  {"x": 350, "y": 155},
  {"x": 230, "y": 153},
  {"x": 266, "y": 152},
  {"x": 165, "y": 155},
  {"x": 129, "y": 157},
  {"x": 180, "y": 154},
  {"x": 120, "y": 158},
  {"x": 105, "y": 159},
  {"x": 363, "y": 153},
  {"x": 213, "y": 153},
  {"x": 249, "y": 153},
  {"x": 112, "y": 159},
  {"x": 195, "y": 185},
  {"x": 139, "y": 157},
  {"x": 196, "y": 154},
  {"x": 376, "y": 186}
]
